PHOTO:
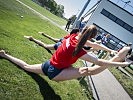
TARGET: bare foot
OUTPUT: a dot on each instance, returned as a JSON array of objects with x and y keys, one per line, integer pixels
[
  {"x": 43, "y": 34},
  {"x": 29, "y": 37},
  {"x": 2, "y": 53},
  {"x": 40, "y": 32}
]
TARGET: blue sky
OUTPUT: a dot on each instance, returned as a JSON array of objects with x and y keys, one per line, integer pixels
[{"x": 73, "y": 7}]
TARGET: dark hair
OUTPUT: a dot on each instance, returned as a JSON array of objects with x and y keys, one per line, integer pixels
[
  {"x": 88, "y": 33},
  {"x": 74, "y": 31}
]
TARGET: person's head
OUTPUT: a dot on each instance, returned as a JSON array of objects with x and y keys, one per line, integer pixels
[
  {"x": 107, "y": 35},
  {"x": 74, "y": 31},
  {"x": 88, "y": 27},
  {"x": 88, "y": 33}
]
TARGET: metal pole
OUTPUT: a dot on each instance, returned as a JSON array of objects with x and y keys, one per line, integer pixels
[{"x": 82, "y": 11}]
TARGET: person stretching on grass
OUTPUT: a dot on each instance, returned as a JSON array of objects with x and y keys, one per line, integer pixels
[
  {"x": 59, "y": 67},
  {"x": 52, "y": 46},
  {"x": 59, "y": 41}
]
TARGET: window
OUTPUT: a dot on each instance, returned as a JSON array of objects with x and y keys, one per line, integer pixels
[
  {"x": 119, "y": 46},
  {"x": 116, "y": 40},
  {"x": 114, "y": 43},
  {"x": 105, "y": 13},
  {"x": 128, "y": 27},
  {"x": 112, "y": 17},
  {"x": 117, "y": 20},
  {"x": 120, "y": 22},
  {"x": 132, "y": 30},
  {"x": 122, "y": 44}
]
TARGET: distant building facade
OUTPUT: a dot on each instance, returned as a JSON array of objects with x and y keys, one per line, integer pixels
[{"x": 114, "y": 20}]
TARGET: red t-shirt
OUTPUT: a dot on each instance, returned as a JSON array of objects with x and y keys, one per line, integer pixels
[
  {"x": 62, "y": 58},
  {"x": 67, "y": 36}
]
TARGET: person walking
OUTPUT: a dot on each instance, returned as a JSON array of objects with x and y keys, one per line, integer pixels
[{"x": 68, "y": 24}]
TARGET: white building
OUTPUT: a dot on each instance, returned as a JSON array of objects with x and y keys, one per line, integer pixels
[{"x": 114, "y": 20}]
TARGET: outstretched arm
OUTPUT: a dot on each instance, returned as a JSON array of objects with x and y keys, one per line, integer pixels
[
  {"x": 102, "y": 62},
  {"x": 99, "y": 47}
]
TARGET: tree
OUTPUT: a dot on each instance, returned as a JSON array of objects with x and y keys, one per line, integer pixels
[
  {"x": 60, "y": 10},
  {"x": 52, "y": 6}
]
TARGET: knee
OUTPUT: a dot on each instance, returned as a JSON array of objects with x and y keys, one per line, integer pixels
[{"x": 26, "y": 67}]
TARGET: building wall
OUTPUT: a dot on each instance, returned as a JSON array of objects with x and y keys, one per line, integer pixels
[{"x": 110, "y": 26}]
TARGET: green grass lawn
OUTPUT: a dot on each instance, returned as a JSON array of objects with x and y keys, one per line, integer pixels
[
  {"x": 125, "y": 80},
  {"x": 44, "y": 12},
  {"x": 15, "y": 83}
]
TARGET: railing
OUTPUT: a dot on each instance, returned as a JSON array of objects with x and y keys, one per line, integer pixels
[{"x": 128, "y": 70}]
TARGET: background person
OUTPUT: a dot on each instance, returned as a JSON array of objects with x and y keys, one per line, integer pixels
[
  {"x": 105, "y": 39},
  {"x": 51, "y": 46},
  {"x": 59, "y": 42},
  {"x": 80, "y": 24},
  {"x": 68, "y": 24}
]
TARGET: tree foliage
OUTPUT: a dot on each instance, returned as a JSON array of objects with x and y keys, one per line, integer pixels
[{"x": 52, "y": 6}]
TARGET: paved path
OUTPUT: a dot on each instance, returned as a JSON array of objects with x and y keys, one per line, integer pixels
[{"x": 106, "y": 87}]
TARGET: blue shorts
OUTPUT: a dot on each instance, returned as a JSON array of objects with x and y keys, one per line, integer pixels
[
  {"x": 50, "y": 70},
  {"x": 61, "y": 39},
  {"x": 57, "y": 45}
]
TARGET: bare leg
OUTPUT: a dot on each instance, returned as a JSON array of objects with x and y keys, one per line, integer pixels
[
  {"x": 120, "y": 57},
  {"x": 53, "y": 39},
  {"x": 30, "y": 68},
  {"x": 73, "y": 73},
  {"x": 48, "y": 46}
]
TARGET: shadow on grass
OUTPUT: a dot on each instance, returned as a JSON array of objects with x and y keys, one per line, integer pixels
[
  {"x": 45, "y": 89},
  {"x": 85, "y": 86},
  {"x": 49, "y": 51}
]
